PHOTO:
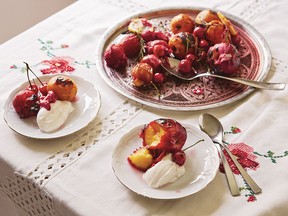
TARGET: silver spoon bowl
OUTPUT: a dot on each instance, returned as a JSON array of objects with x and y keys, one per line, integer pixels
[{"x": 173, "y": 70}]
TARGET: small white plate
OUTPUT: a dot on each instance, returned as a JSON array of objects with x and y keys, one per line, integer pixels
[
  {"x": 85, "y": 110},
  {"x": 202, "y": 163}
]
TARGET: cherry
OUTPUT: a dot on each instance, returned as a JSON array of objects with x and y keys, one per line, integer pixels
[
  {"x": 158, "y": 78},
  {"x": 236, "y": 39},
  {"x": 33, "y": 87},
  {"x": 148, "y": 49},
  {"x": 204, "y": 44},
  {"x": 152, "y": 60},
  {"x": 191, "y": 58},
  {"x": 161, "y": 36},
  {"x": 185, "y": 66},
  {"x": 148, "y": 35},
  {"x": 179, "y": 157},
  {"x": 43, "y": 88},
  {"x": 160, "y": 50},
  {"x": 157, "y": 42},
  {"x": 199, "y": 32},
  {"x": 150, "y": 45}
]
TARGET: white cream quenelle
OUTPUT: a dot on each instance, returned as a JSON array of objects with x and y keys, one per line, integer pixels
[
  {"x": 49, "y": 121},
  {"x": 164, "y": 172}
]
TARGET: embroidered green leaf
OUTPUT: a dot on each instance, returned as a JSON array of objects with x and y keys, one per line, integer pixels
[{"x": 271, "y": 155}]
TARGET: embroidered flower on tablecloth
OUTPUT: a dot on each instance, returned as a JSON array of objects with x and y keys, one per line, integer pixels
[
  {"x": 235, "y": 130},
  {"x": 58, "y": 65},
  {"x": 64, "y": 46},
  {"x": 244, "y": 155},
  {"x": 251, "y": 198}
]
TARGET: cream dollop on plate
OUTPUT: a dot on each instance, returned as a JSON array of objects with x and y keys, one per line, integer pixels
[
  {"x": 164, "y": 172},
  {"x": 51, "y": 120}
]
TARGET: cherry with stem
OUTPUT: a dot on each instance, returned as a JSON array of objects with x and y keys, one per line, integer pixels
[
  {"x": 202, "y": 140},
  {"x": 29, "y": 69}
]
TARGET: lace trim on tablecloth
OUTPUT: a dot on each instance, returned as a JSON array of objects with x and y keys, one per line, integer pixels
[
  {"x": 28, "y": 196},
  {"x": 74, "y": 150},
  {"x": 28, "y": 192}
]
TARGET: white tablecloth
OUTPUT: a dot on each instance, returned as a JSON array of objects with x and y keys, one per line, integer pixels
[{"x": 73, "y": 175}]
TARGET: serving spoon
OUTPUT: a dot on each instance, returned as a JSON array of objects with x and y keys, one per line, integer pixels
[
  {"x": 173, "y": 70},
  {"x": 212, "y": 126}
]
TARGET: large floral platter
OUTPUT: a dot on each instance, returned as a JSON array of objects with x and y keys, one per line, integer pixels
[{"x": 202, "y": 93}]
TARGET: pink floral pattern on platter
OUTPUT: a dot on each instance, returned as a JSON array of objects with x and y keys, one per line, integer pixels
[{"x": 58, "y": 65}]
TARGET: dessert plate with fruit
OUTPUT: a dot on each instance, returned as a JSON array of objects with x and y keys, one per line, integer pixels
[
  {"x": 51, "y": 106},
  {"x": 133, "y": 55},
  {"x": 156, "y": 160}
]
